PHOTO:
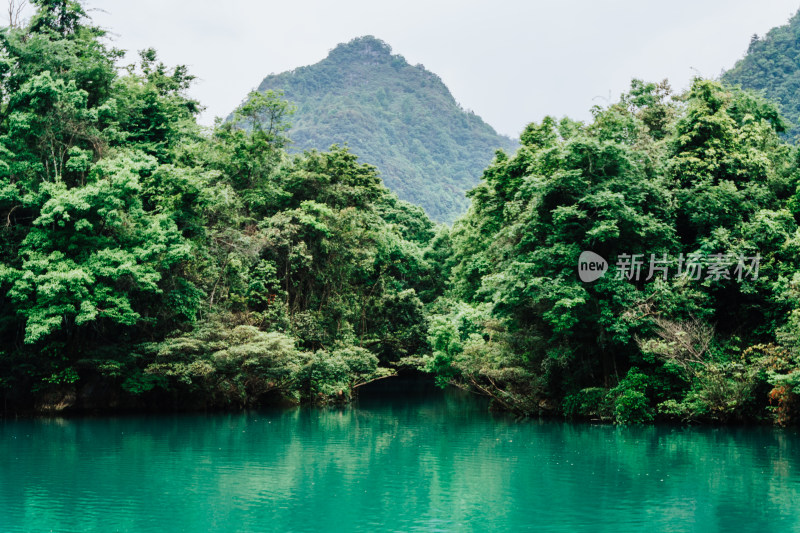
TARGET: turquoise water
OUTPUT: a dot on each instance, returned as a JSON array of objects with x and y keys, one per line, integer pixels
[{"x": 437, "y": 462}]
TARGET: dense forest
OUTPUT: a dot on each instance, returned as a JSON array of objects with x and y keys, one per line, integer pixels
[
  {"x": 396, "y": 116},
  {"x": 703, "y": 179},
  {"x": 146, "y": 262}
]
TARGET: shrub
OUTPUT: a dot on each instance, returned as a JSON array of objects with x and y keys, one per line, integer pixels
[{"x": 629, "y": 398}]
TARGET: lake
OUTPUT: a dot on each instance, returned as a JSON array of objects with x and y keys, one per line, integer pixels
[{"x": 424, "y": 461}]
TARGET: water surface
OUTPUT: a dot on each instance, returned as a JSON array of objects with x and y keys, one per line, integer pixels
[{"x": 432, "y": 462}]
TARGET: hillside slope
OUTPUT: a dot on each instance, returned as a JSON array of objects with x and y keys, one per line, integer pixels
[
  {"x": 398, "y": 117},
  {"x": 772, "y": 65}
]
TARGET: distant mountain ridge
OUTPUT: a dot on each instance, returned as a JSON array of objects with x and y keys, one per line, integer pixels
[
  {"x": 772, "y": 66},
  {"x": 398, "y": 117}
]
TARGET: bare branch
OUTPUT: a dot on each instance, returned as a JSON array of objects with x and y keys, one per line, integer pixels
[
  {"x": 15, "y": 8},
  {"x": 685, "y": 343}
]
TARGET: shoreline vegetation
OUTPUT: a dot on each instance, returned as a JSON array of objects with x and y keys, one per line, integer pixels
[{"x": 149, "y": 263}]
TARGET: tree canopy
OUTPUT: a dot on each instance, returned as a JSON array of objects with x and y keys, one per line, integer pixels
[
  {"x": 148, "y": 262},
  {"x": 150, "y": 259},
  {"x": 701, "y": 179}
]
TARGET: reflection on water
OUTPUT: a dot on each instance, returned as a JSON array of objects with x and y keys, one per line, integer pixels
[{"x": 434, "y": 462}]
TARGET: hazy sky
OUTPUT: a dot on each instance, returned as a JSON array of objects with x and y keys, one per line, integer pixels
[{"x": 511, "y": 62}]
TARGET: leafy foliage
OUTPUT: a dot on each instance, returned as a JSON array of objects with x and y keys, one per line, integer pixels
[
  {"x": 141, "y": 253},
  {"x": 145, "y": 261},
  {"x": 705, "y": 173}
]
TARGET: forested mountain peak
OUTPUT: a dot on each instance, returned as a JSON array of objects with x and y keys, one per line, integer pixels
[
  {"x": 367, "y": 47},
  {"x": 772, "y": 65},
  {"x": 399, "y": 117}
]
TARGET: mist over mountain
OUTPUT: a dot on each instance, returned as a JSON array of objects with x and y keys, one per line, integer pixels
[{"x": 396, "y": 116}]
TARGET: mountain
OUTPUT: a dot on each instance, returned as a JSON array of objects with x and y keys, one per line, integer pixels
[
  {"x": 396, "y": 116},
  {"x": 772, "y": 65}
]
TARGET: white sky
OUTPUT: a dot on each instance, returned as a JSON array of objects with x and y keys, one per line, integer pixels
[{"x": 510, "y": 61}]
